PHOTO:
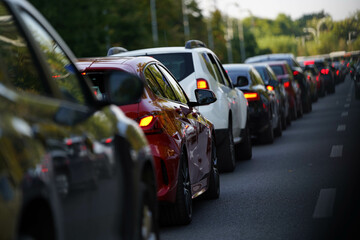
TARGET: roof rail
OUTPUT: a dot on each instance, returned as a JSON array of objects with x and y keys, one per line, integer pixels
[
  {"x": 194, "y": 44},
  {"x": 115, "y": 50}
]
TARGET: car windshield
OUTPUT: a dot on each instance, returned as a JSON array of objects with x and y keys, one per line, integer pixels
[{"x": 179, "y": 64}]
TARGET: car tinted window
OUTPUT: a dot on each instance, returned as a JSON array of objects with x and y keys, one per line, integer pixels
[
  {"x": 255, "y": 78},
  {"x": 262, "y": 71},
  {"x": 62, "y": 70},
  {"x": 278, "y": 70},
  {"x": 163, "y": 83},
  {"x": 224, "y": 74},
  {"x": 216, "y": 68},
  {"x": 175, "y": 85},
  {"x": 179, "y": 64},
  {"x": 152, "y": 83},
  {"x": 16, "y": 63},
  {"x": 208, "y": 64}
]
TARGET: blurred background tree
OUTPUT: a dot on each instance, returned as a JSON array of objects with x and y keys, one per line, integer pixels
[{"x": 91, "y": 28}]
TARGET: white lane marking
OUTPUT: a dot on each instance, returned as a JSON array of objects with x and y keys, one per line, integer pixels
[
  {"x": 345, "y": 114},
  {"x": 325, "y": 203},
  {"x": 336, "y": 151},
  {"x": 341, "y": 127},
  {"x": 347, "y": 105}
]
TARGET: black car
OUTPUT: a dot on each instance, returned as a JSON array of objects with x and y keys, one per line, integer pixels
[
  {"x": 272, "y": 83},
  {"x": 265, "y": 118},
  {"x": 72, "y": 167},
  {"x": 297, "y": 72}
]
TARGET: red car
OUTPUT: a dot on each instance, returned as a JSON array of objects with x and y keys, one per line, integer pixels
[
  {"x": 182, "y": 141},
  {"x": 285, "y": 76}
]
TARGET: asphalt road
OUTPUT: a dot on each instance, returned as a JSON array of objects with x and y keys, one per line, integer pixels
[{"x": 304, "y": 186}]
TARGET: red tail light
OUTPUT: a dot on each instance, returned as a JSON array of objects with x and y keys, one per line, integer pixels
[
  {"x": 317, "y": 78},
  {"x": 83, "y": 73},
  {"x": 252, "y": 96},
  {"x": 348, "y": 64},
  {"x": 308, "y": 77},
  {"x": 311, "y": 62},
  {"x": 150, "y": 124},
  {"x": 337, "y": 72},
  {"x": 270, "y": 88},
  {"x": 286, "y": 84},
  {"x": 202, "y": 84},
  {"x": 295, "y": 73},
  {"x": 325, "y": 71}
]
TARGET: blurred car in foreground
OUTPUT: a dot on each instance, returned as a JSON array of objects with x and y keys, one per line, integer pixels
[
  {"x": 181, "y": 139},
  {"x": 296, "y": 71},
  {"x": 197, "y": 67},
  {"x": 264, "y": 110},
  {"x": 52, "y": 124}
]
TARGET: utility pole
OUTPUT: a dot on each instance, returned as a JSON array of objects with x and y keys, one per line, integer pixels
[{"x": 154, "y": 23}]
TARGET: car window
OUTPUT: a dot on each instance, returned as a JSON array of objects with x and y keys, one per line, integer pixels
[
  {"x": 217, "y": 71},
  {"x": 224, "y": 74},
  {"x": 153, "y": 84},
  {"x": 180, "y": 64},
  {"x": 255, "y": 78},
  {"x": 263, "y": 73},
  {"x": 63, "y": 71},
  {"x": 16, "y": 63},
  {"x": 175, "y": 85},
  {"x": 271, "y": 74},
  {"x": 163, "y": 83},
  {"x": 278, "y": 69},
  {"x": 206, "y": 60}
]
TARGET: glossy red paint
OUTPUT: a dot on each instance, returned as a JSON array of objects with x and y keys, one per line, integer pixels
[{"x": 173, "y": 128}]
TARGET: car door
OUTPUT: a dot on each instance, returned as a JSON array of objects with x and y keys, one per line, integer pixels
[
  {"x": 201, "y": 149},
  {"x": 64, "y": 118}
]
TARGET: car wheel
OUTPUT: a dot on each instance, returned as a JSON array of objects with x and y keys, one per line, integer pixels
[
  {"x": 244, "y": 149},
  {"x": 149, "y": 222},
  {"x": 213, "y": 191},
  {"x": 283, "y": 121},
  {"x": 226, "y": 152},
  {"x": 267, "y": 136},
  {"x": 180, "y": 213},
  {"x": 278, "y": 129}
]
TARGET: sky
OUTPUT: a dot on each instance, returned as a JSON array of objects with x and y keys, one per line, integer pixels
[{"x": 338, "y": 9}]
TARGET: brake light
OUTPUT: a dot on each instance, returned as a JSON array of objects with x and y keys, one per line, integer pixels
[
  {"x": 69, "y": 142},
  {"x": 108, "y": 140},
  {"x": 296, "y": 73},
  {"x": 317, "y": 78},
  {"x": 325, "y": 71},
  {"x": 83, "y": 73},
  {"x": 144, "y": 122},
  {"x": 286, "y": 84},
  {"x": 150, "y": 124},
  {"x": 252, "y": 96},
  {"x": 308, "y": 77},
  {"x": 202, "y": 84},
  {"x": 310, "y": 62},
  {"x": 270, "y": 88},
  {"x": 337, "y": 72},
  {"x": 348, "y": 64}
]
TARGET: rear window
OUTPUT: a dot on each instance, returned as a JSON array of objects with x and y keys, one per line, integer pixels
[
  {"x": 278, "y": 70},
  {"x": 179, "y": 64}
]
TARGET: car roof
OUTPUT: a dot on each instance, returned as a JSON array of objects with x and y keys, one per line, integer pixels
[
  {"x": 162, "y": 50},
  {"x": 238, "y": 66},
  {"x": 268, "y": 57},
  {"x": 130, "y": 64}
]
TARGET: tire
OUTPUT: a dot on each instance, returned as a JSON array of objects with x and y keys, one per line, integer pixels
[
  {"x": 267, "y": 137},
  {"x": 148, "y": 216},
  {"x": 180, "y": 213},
  {"x": 283, "y": 121},
  {"x": 213, "y": 191},
  {"x": 278, "y": 129},
  {"x": 226, "y": 152},
  {"x": 244, "y": 149}
]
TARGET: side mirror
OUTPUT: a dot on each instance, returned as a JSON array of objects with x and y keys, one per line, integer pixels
[
  {"x": 242, "y": 81},
  {"x": 203, "y": 97},
  {"x": 123, "y": 88}
]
